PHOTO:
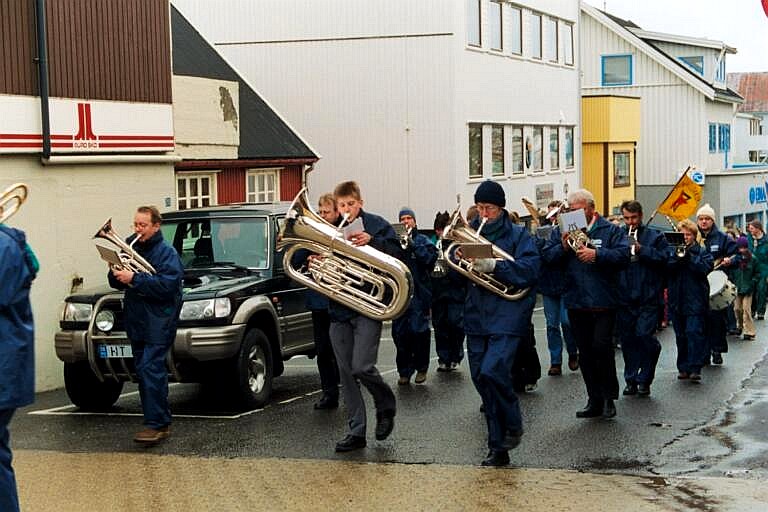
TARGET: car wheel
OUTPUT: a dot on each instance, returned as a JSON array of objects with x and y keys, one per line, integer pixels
[
  {"x": 254, "y": 370},
  {"x": 85, "y": 389}
]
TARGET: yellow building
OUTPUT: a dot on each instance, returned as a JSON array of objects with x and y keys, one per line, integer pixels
[{"x": 610, "y": 131}]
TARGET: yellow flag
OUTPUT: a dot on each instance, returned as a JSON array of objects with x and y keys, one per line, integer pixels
[{"x": 682, "y": 202}]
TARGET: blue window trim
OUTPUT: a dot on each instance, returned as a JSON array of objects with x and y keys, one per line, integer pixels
[
  {"x": 712, "y": 138},
  {"x": 602, "y": 70},
  {"x": 695, "y": 68}
]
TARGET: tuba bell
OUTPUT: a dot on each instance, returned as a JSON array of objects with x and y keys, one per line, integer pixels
[
  {"x": 459, "y": 232},
  {"x": 129, "y": 258},
  {"x": 364, "y": 279},
  {"x": 11, "y": 200}
]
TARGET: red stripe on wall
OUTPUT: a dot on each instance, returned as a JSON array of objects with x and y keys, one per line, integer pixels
[
  {"x": 135, "y": 145},
  {"x": 135, "y": 137}
]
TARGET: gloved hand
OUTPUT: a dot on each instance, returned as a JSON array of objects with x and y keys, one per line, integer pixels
[{"x": 484, "y": 265}]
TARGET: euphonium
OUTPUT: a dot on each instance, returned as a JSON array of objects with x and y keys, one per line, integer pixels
[
  {"x": 369, "y": 281},
  {"x": 459, "y": 231},
  {"x": 11, "y": 200},
  {"x": 131, "y": 260}
]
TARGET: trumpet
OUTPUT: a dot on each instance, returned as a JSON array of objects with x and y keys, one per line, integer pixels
[
  {"x": 405, "y": 233},
  {"x": 440, "y": 269},
  {"x": 130, "y": 259},
  {"x": 11, "y": 200},
  {"x": 632, "y": 235}
]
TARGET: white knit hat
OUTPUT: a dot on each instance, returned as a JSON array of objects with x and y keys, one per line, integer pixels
[{"x": 706, "y": 211}]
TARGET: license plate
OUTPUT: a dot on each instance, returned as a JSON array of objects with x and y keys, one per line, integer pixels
[{"x": 115, "y": 351}]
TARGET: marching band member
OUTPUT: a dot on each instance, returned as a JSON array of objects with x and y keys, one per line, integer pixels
[
  {"x": 592, "y": 300},
  {"x": 641, "y": 284},
  {"x": 744, "y": 276},
  {"x": 494, "y": 325},
  {"x": 724, "y": 251},
  {"x": 758, "y": 246},
  {"x": 410, "y": 331},
  {"x": 688, "y": 291}
]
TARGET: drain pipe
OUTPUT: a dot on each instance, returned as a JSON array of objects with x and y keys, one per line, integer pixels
[{"x": 42, "y": 73}]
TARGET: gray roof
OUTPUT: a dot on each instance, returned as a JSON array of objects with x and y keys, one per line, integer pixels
[{"x": 263, "y": 134}]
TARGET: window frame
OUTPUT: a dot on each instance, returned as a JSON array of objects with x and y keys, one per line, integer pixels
[
  {"x": 479, "y": 127},
  {"x": 534, "y": 151},
  {"x": 554, "y": 31},
  {"x": 572, "y": 131},
  {"x": 520, "y": 145},
  {"x": 471, "y": 5},
  {"x": 712, "y": 137},
  {"x": 540, "y": 56},
  {"x": 605, "y": 58},
  {"x": 617, "y": 183},
  {"x": 199, "y": 197},
  {"x": 693, "y": 67},
  {"x": 554, "y": 155},
  {"x": 516, "y": 28},
  {"x": 497, "y": 129},
  {"x": 491, "y": 10},
  {"x": 275, "y": 173},
  {"x": 568, "y": 50}
]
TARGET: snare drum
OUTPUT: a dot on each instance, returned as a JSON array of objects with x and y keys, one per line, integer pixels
[{"x": 722, "y": 292}]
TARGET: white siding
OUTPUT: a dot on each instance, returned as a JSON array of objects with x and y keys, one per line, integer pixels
[
  {"x": 710, "y": 55},
  {"x": 720, "y": 113}
]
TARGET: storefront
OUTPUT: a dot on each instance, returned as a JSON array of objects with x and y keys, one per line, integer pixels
[{"x": 738, "y": 196}]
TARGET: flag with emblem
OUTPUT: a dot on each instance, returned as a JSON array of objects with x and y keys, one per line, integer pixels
[{"x": 683, "y": 200}]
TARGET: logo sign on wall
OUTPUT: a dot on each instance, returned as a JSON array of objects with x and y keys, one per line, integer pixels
[
  {"x": 757, "y": 194},
  {"x": 697, "y": 177}
]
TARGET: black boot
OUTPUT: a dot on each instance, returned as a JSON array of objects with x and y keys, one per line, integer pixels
[
  {"x": 496, "y": 458},
  {"x": 609, "y": 410},
  {"x": 592, "y": 410}
]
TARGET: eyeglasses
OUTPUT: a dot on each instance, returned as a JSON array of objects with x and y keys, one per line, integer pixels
[
  {"x": 141, "y": 225},
  {"x": 490, "y": 208}
]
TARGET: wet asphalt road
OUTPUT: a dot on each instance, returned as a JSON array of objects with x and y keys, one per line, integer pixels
[{"x": 682, "y": 428}]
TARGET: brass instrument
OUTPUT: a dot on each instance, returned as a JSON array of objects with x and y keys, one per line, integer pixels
[
  {"x": 129, "y": 258},
  {"x": 11, "y": 200},
  {"x": 459, "y": 232},
  {"x": 440, "y": 269},
  {"x": 632, "y": 235},
  {"x": 576, "y": 238},
  {"x": 364, "y": 279},
  {"x": 535, "y": 215},
  {"x": 405, "y": 234}
]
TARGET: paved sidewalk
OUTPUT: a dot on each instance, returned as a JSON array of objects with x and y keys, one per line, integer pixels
[{"x": 62, "y": 482}]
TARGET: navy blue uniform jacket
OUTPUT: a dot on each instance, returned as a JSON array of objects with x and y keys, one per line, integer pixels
[
  {"x": 486, "y": 313},
  {"x": 721, "y": 245},
  {"x": 642, "y": 281},
  {"x": 420, "y": 259},
  {"x": 592, "y": 285},
  {"x": 153, "y": 301},
  {"x": 687, "y": 285}
]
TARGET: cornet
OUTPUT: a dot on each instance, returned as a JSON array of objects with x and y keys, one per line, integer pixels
[
  {"x": 11, "y": 200},
  {"x": 129, "y": 258}
]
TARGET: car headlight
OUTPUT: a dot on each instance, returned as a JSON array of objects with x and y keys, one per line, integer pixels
[
  {"x": 105, "y": 320},
  {"x": 76, "y": 312},
  {"x": 205, "y": 309}
]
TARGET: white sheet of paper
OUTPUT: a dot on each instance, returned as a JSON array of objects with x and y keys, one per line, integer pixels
[
  {"x": 353, "y": 228},
  {"x": 571, "y": 221}
]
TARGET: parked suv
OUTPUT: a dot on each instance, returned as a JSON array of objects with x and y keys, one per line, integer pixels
[{"x": 241, "y": 315}]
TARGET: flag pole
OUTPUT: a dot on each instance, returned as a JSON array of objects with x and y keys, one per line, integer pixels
[{"x": 685, "y": 173}]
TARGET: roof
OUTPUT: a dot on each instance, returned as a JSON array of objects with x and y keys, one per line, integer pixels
[
  {"x": 229, "y": 210},
  {"x": 263, "y": 133},
  {"x": 753, "y": 87}
]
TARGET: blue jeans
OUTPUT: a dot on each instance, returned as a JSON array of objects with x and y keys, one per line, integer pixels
[
  {"x": 9, "y": 498},
  {"x": 153, "y": 383},
  {"x": 557, "y": 316}
]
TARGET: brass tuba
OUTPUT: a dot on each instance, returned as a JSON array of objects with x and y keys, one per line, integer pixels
[
  {"x": 11, "y": 200},
  {"x": 459, "y": 231},
  {"x": 129, "y": 258},
  {"x": 364, "y": 279}
]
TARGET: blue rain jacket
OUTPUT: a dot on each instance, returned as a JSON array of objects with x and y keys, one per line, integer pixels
[
  {"x": 420, "y": 258},
  {"x": 642, "y": 281},
  {"x": 687, "y": 285},
  {"x": 720, "y": 245}
]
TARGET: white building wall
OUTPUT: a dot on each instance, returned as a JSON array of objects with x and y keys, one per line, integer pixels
[
  {"x": 65, "y": 207},
  {"x": 720, "y": 113},
  {"x": 711, "y": 56}
]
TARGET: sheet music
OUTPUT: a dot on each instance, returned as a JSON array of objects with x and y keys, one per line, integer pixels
[{"x": 353, "y": 228}]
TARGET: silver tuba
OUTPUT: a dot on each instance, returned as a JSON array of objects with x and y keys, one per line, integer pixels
[
  {"x": 459, "y": 232},
  {"x": 11, "y": 200},
  {"x": 364, "y": 279},
  {"x": 129, "y": 258}
]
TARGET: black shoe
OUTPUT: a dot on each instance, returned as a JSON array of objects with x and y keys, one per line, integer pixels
[
  {"x": 609, "y": 410},
  {"x": 385, "y": 422},
  {"x": 496, "y": 459},
  {"x": 350, "y": 443},
  {"x": 326, "y": 402},
  {"x": 717, "y": 358},
  {"x": 630, "y": 389},
  {"x": 643, "y": 389},
  {"x": 482, "y": 408},
  {"x": 590, "y": 411}
]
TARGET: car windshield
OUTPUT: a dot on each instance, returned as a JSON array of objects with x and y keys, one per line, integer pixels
[{"x": 230, "y": 241}]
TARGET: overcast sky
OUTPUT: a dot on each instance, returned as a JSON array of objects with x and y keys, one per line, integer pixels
[{"x": 738, "y": 23}]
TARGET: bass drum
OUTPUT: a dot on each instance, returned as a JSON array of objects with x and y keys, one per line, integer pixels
[{"x": 722, "y": 292}]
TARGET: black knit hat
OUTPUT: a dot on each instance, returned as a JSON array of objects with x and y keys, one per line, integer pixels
[{"x": 490, "y": 192}]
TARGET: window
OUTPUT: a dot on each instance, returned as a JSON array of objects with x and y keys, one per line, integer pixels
[
  {"x": 621, "y": 169},
  {"x": 753, "y": 156},
  {"x": 554, "y": 148},
  {"x": 695, "y": 63},
  {"x": 193, "y": 191},
  {"x": 516, "y": 26},
  {"x": 536, "y": 36},
  {"x": 569, "y": 147},
  {"x": 475, "y": 151},
  {"x": 712, "y": 137},
  {"x": 533, "y": 148},
  {"x": 568, "y": 43},
  {"x": 494, "y": 26},
  {"x": 754, "y": 127},
  {"x": 724, "y": 137},
  {"x": 497, "y": 150},
  {"x": 473, "y": 23},
  {"x": 517, "y": 150},
  {"x": 262, "y": 186},
  {"x": 551, "y": 38},
  {"x": 617, "y": 69},
  {"x": 720, "y": 76}
]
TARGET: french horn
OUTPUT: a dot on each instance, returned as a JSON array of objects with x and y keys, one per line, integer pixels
[
  {"x": 11, "y": 200},
  {"x": 364, "y": 279}
]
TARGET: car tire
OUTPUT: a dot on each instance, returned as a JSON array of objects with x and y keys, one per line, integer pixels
[
  {"x": 86, "y": 391},
  {"x": 254, "y": 370}
]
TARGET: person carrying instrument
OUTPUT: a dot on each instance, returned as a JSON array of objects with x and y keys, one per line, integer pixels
[
  {"x": 688, "y": 293},
  {"x": 725, "y": 253},
  {"x": 641, "y": 283},
  {"x": 495, "y": 326},
  {"x": 592, "y": 270},
  {"x": 152, "y": 306},
  {"x": 18, "y": 267},
  {"x": 410, "y": 331},
  {"x": 745, "y": 276},
  {"x": 355, "y": 337}
]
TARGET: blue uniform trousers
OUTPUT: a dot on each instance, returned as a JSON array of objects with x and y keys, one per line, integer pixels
[
  {"x": 639, "y": 346},
  {"x": 412, "y": 351},
  {"x": 449, "y": 332},
  {"x": 9, "y": 498},
  {"x": 692, "y": 348},
  {"x": 153, "y": 383},
  {"x": 557, "y": 316},
  {"x": 715, "y": 328},
  {"x": 491, "y": 358}
]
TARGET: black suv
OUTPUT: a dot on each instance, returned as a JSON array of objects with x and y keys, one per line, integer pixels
[{"x": 241, "y": 316}]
